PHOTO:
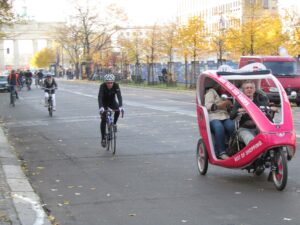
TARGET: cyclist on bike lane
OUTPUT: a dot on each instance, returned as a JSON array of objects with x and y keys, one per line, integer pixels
[
  {"x": 13, "y": 82},
  {"x": 50, "y": 83},
  {"x": 40, "y": 77},
  {"x": 107, "y": 99}
]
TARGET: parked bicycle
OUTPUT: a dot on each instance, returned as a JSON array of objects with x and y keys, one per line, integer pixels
[{"x": 50, "y": 101}]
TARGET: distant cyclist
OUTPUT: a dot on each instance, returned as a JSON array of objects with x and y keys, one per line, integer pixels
[
  {"x": 50, "y": 83},
  {"x": 107, "y": 99},
  {"x": 28, "y": 78},
  {"x": 13, "y": 82},
  {"x": 40, "y": 77}
]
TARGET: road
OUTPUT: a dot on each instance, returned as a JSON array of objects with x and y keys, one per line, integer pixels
[{"x": 153, "y": 178}]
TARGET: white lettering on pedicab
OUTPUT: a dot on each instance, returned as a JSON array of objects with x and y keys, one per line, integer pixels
[
  {"x": 248, "y": 151},
  {"x": 236, "y": 91}
]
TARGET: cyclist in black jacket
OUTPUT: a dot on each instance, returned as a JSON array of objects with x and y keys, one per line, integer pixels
[
  {"x": 107, "y": 99},
  {"x": 50, "y": 83}
]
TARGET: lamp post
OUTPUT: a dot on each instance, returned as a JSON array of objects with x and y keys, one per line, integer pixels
[{"x": 222, "y": 27}]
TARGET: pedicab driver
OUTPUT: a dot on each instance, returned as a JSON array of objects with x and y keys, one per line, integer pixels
[
  {"x": 247, "y": 128},
  {"x": 108, "y": 92}
]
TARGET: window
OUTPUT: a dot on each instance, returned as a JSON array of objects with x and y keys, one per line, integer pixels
[{"x": 265, "y": 4}]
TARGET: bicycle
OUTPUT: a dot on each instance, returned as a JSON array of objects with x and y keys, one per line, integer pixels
[
  {"x": 28, "y": 82},
  {"x": 110, "y": 137},
  {"x": 50, "y": 101}
]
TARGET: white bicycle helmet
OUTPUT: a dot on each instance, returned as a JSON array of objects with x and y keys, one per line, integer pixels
[{"x": 109, "y": 77}]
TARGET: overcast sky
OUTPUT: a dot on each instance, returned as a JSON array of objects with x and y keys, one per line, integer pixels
[{"x": 139, "y": 11}]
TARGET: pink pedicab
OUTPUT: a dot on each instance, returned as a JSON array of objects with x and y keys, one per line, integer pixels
[{"x": 272, "y": 147}]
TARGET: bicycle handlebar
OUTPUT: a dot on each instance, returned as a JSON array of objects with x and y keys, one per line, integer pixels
[
  {"x": 114, "y": 110},
  {"x": 49, "y": 89}
]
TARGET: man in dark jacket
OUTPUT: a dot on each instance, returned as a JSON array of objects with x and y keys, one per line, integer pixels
[
  {"x": 247, "y": 128},
  {"x": 13, "y": 82},
  {"x": 107, "y": 99}
]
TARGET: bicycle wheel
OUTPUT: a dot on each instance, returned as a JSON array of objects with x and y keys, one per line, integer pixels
[
  {"x": 202, "y": 157},
  {"x": 12, "y": 98},
  {"x": 280, "y": 174},
  {"x": 108, "y": 136},
  {"x": 50, "y": 108},
  {"x": 113, "y": 142}
]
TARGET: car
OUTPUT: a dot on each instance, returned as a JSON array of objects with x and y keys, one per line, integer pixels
[
  {"x": 3, "y": 81},
  {"x": 284, "y": 68}
]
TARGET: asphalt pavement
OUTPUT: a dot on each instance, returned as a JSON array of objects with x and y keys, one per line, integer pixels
[
  {"x": 149, "y": 181},
  {"x": 19, "y": 204}
]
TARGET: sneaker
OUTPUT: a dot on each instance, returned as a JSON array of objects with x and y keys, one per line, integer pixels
[
  {"x": 115, "y": 128},
  {"x": 223, "y": 156},
  {"x": 103, "y": 143}
]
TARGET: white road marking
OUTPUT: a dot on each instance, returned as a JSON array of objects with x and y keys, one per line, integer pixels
[
  {"x": 40, "y": 215},
  {"x": 148, "y": 106}
]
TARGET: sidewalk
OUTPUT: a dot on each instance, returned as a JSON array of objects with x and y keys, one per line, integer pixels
[{"x": 19, "y": 205}]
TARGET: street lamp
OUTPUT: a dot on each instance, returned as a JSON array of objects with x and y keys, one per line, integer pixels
[
  {"x": 7, "y": 50},
  {"x": 222, "y": 27}
]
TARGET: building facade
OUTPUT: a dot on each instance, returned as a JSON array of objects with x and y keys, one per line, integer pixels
[{"x": 221, "y": 14}]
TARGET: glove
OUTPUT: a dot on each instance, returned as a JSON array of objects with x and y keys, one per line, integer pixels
[{"x": 101, "y": 110}]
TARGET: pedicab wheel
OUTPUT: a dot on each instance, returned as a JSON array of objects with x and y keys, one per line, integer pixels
[
  {"x": 280, "y": 174},
  {"x": 202, "y": 157}
]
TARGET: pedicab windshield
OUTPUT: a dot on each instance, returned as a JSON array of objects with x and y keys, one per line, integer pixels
[{"x": 261, "y": 78}]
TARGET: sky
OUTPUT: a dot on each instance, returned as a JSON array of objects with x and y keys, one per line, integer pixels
[{"x": 139, "y": 11}]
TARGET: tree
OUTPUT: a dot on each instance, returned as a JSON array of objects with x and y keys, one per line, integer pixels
[
  {"x": 152, "y": 43},
  {"x": 292, "y": 21},
  {"x": 69, "y": 38},
  {"x": 43, "y": 58},
  {"x": 256, "y": 33},
  {"x": 169, "y": 43},
  {"x": 133, "y": 47},
  {"x": 195, "y": 42},
  {"x": 96, "y": 31},
  {"x": 6, "y": 15}
]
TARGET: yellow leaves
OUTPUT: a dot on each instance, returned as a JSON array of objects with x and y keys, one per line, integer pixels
[
  {"x": 192, "y": 37},
  {"x": 43, "y": 58},
  {"x": 258, "y": 35}
]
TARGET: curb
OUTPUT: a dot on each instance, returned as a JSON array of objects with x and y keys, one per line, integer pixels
[{"x": 25, "y": 207}]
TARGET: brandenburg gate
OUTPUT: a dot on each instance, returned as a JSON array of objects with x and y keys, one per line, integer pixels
[{"x": 32, "y": 31}]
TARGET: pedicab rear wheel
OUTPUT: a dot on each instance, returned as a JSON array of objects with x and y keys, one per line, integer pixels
[
  {"x": 202, "y": 157},
  {"x": 280, "y": 173}
]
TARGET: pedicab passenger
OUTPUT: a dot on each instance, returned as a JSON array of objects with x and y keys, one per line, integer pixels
[
  {"x": 220, "y": 123},
  {"x": 247, "y": 128}
]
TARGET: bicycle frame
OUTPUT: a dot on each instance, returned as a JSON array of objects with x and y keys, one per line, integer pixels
[
  {"x": 110, "y": 134},
  {"x": 50, "y": 101}
]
